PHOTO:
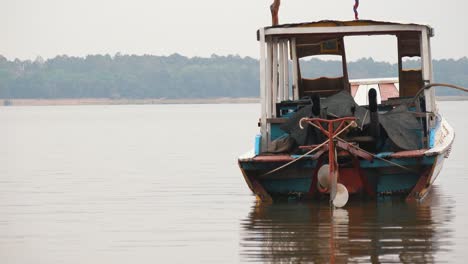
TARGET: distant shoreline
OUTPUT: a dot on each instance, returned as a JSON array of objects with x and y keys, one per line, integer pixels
[{"x": 107, "y": 101}]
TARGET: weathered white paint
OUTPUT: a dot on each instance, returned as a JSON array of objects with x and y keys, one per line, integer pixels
[
  {"x": 275, "y": 75},
  {"x": 286, "y": 70},
  {"x": 364, "y": 85},
  {"x": 426, "y": 63},
  {"x": 263, "y": 109},
  {"x": 268, "y": 78},
  {"x": 281, "y": 69},
  {"x": 295, "y": 71},
  {"x": 358, "y": 30},
  {"x": 247, "y": 156},
  {"x": 437, "y": 167},
  {"x": 361, "y": 95},
  {"x": 444, "y": 137},
  {"x": 373, "y": 81},
  {"x": 362, "y": 92}
]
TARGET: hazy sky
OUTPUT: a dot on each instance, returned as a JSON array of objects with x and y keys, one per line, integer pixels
[{"x": 29, "y": 28}]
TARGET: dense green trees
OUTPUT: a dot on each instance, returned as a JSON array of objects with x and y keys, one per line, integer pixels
[{"x": 175, "y": 76}]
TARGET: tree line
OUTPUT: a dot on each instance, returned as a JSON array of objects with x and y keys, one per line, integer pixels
[{"x": 175, "y": 76}]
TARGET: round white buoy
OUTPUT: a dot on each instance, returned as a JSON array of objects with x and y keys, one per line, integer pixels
[
  {"x": 322, "y": 176},
  {"x": 341, "y": 197}
]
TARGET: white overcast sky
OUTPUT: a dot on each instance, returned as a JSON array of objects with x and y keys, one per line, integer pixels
[{"x": 30, "y": 28}]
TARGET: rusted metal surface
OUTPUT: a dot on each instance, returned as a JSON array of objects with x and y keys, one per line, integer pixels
[
  {"x": 354, "y": 150},
  {"x": 421, "y": 187},
  {"x": 260, "y": 192},
  {"x": 409, "y": 154},
  {"x": 273, "y": 158},
  {"x": 331, "y": 133},
  {"x": 274, "y": 8}
]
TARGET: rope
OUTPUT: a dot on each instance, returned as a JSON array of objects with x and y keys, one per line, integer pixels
[
  {"x": 355, "y": 8},
  {"x": 439, "y": 84},
  {"x": 380, "y": 158},
  {"x": 309, "y": 152},
  {"x": 369, "y": 153}
]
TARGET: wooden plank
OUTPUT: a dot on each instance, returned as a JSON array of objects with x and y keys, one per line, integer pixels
[
  {"x": 263, "y": 112},
  {"x": 409, "y": 154},
  {"x": 295, "y": 72},
  {"x": 277, "y": 120},
  {"x": 281, "y": 69},
  {"x": 286, "y": 70},
  {"x": 273, "y": 158},
  {"x": 269, "y": 68},
  {"x": 275, "y": 75},
  {"x": 354, "y": 151}
]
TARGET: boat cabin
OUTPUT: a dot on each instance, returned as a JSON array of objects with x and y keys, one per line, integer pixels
[{"x": 284, "y": 89}]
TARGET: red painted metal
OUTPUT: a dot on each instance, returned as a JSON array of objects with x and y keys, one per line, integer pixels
[
  {"x": 313, "y": 186},
  {"x": 330, "y": 132},
  {"x": 350, "y": 178}
]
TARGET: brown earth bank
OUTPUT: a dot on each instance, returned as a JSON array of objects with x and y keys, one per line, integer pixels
[{"x": 107, "y": 101}]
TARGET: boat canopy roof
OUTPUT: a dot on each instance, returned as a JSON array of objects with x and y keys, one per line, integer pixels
[
  {"x": 309, "y": 34},
  {"x": 345, "y": 28},
  {"x": 338, "y": 23}
]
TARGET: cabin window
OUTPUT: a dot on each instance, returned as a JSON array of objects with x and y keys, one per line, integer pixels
[
  {"x": 329, "y": 66},
  {"x": 411, "y": 63},
  {"x": 380, "y": 52}
]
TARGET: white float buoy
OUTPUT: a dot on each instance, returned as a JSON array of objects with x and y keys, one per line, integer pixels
[
  {"x": 322, "y": 176},
  {"x": 341, "y": 197}
]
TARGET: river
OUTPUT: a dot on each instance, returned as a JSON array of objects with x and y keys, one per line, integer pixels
[{"x": 160, "y": 184}]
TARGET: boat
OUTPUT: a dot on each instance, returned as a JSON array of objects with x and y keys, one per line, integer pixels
[{"x": 335, "y": 138}]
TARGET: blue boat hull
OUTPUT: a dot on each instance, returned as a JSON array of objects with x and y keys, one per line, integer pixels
[{"x": 363, "y": 178}]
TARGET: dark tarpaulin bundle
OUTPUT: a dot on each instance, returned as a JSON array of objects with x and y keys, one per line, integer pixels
[
  {"x": 402, "y": 127},
  {"x": 341, "y": 104},
  {"x": 307, "y": 136}
]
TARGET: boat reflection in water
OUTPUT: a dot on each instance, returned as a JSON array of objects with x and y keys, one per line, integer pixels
[{"x": 385, "y": 231}]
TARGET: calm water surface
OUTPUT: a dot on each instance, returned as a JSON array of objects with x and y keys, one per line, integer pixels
[{"x": 160, "y": 184}]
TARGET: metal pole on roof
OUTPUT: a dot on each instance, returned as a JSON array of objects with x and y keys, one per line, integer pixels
[
  {"x": 355, "y": 8},
  {"x": 274, "y": 8}
]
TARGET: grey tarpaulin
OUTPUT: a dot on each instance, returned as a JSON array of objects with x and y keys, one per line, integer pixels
[
  {"x": 400, "y": 124},
  {"x": 307, "y": 136},
  {"x": 402, "y": 127},
  {"x": 341, "y": 104}
]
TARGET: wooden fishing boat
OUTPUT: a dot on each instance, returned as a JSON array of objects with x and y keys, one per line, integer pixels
[{"x": 334, "y": 137}]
